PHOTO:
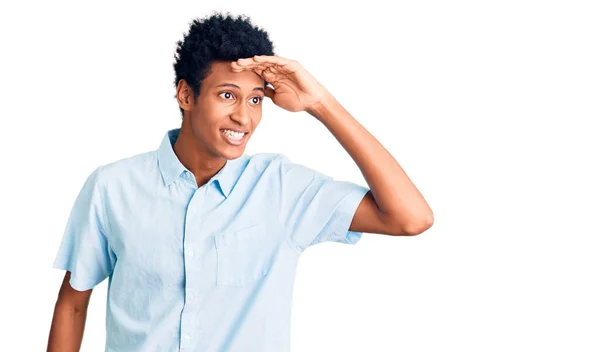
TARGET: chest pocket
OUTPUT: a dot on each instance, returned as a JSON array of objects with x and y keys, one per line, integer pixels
[{"x": 244, "y": 255}]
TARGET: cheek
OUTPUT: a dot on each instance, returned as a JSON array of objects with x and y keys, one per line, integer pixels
[
  {"x": 205, "y": 112},
  {"x": 257, "y": 115},
  {"x": 213, "y": 111}
]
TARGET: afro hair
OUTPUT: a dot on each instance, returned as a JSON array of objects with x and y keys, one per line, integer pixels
[{"x": 217, "y": 38}]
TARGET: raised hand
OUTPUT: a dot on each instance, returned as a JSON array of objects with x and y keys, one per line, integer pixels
[{"x": 294, "y": 88}]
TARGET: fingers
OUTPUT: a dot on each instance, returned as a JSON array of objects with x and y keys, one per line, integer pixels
[
  {"x": 265, "y": 70},
  {"x": 262, "y": 61},
  {"x": 236, "y": 66},
  {"x": 266, "y": 66},
  {"x": 271, "y": 59}
]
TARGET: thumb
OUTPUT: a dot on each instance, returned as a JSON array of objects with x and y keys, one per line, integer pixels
[{"x": 270, "y": 92}]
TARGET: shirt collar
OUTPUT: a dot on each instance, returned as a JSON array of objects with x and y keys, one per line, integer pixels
[{"x": 171, "y": 168}]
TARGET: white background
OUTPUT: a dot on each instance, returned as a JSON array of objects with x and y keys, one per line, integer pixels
[{"x": 490, "y": 107}]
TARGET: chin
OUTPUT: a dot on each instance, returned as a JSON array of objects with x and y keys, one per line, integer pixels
[{"x": 230, "y": 152}]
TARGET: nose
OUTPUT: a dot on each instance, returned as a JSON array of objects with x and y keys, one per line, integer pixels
[{"x": 241, "y": 114}]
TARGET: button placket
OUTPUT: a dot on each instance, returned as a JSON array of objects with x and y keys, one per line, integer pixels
[
  {"x": 191, "y": 300},
  {"x": 189, "y": 330}
]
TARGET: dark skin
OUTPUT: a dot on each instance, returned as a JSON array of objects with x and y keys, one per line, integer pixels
[
  {"x": 69, "y": 317},
  {"x": 393, "y": 206},
  {"x": 200, "y": 146}
]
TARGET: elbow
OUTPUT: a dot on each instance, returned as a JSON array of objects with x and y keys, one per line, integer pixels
[{"x": 416, "y": 227}]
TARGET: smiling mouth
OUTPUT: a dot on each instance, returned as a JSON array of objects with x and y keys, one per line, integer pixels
[{"x": 235, "y": 139}]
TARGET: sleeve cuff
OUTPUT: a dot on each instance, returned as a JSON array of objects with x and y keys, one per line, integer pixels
[
  {"x": 76, "y": 282},
  {"x": 345, "y": 213}
]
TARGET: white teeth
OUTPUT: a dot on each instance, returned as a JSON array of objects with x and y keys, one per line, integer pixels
[{"x": 233, "y": 134}]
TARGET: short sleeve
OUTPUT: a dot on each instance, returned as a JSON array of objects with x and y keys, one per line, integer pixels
[
  {"x": 84, "y": 249},
  {"x": 315, "y": 208}
]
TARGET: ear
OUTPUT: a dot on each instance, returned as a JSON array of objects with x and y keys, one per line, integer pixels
[{"x": 184, "y": 95}]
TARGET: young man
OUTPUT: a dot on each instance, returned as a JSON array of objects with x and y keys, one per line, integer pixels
[{"x": 199, "y": 240}]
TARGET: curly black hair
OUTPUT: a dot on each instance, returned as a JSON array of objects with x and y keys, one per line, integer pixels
[{"x": 220, "y": 38}]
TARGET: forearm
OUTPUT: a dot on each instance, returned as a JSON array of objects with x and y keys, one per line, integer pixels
[
  {"x": 396, "y": 196},
  {"x": 66, "y": 332}
]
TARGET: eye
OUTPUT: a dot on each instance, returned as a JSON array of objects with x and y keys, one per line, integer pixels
[
  {"x": 228, "y": 94},
  {"x": 259, "y": 99}
]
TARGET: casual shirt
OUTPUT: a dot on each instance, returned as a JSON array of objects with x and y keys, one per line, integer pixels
[{"x": 207, "y": 268}]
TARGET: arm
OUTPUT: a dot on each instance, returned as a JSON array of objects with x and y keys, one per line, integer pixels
[
  {"x": 393, "y": 205},
  {"x": 66, "y": 332}
]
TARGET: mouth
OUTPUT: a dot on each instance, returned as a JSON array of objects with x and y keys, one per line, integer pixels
[{"x": 234, "y": 138}]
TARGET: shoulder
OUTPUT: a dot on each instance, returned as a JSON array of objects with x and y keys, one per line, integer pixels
[
  {"x": 138, "y": 163},
  {"x": 119, "y": 173},
  {"x": 264, "y": 162},
  {"x": 263, "y": 158},
  {"x": 278, "y": 163},
  {"x": 284, "y": 171}
]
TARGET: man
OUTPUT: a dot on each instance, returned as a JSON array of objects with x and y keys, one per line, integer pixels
[{"x": 199, "y": 240}]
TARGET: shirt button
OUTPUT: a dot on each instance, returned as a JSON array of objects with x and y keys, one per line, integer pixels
[
  {"x": 187, "y": 337},
  {"x": 190, "y": 252},
  {"x": 190, "y": 297}
]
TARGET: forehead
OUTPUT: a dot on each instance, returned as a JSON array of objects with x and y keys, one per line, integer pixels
[{"x": 221, "y": 72}]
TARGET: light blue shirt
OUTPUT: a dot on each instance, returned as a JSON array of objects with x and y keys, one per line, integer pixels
[{"x": 207, "y": 268}]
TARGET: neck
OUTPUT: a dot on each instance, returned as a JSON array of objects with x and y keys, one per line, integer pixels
[{"x": 195, "y": 156}]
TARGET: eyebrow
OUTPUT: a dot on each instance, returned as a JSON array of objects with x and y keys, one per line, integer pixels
[{"x": 236, "y": 86}]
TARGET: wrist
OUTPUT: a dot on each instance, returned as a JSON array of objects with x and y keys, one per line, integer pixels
[{"x": 320, "y": 108}]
